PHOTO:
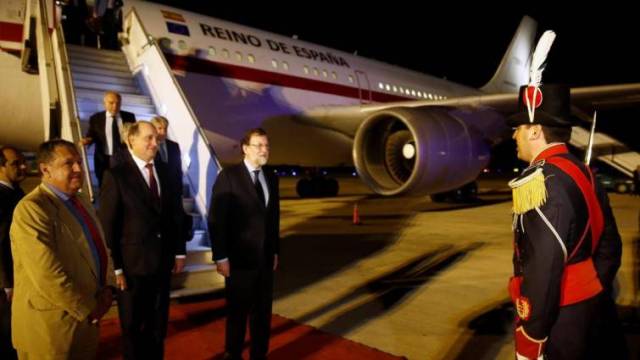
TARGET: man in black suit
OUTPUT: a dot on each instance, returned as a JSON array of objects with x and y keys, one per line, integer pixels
[
  {"x": 244, "y": 222},
  {"x": 169, "y": 153},
  {"x": 141, "y": 215},
  {"x": 13, "y": 170},
  {"x": 105, "y": 129}
]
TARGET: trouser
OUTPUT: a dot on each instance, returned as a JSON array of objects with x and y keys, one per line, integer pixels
[
  {"x": 569, "y": 337},
  {"x": 249, "y": 295},
  {"x": 144, "y": 312},
  {"x": 6, "y": 349},
  {"x": 607, "y": 338}
]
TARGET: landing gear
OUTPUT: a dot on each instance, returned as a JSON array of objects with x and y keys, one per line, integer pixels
[
  {"x": 317, "y": 186},
  {"x": 466, "y": 193}
]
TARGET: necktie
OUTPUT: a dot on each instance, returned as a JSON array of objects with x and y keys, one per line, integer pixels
[
  {"x": 116, "y": 134},
  {"x": 258, "y": 186},
  {"x": 153, "y": 185},
  {"x": 98, "y": 245}
]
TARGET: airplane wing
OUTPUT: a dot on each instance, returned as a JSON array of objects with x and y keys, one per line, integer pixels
[{"x": 347, "y": 119}]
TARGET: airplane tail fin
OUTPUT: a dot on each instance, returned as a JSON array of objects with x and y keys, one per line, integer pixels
[{"x": 514, "y": 67}]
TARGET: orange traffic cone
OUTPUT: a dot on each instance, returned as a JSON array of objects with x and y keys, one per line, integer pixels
[{"x": 356, "y": 215}]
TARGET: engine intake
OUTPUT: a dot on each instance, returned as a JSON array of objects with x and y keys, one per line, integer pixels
[{"x": 418, "y": 151}]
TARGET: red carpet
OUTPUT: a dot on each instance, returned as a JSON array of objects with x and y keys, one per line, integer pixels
[{"x": 196, "y": 331}]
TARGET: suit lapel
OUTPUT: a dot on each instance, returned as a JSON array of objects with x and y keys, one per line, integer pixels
[
  {"x": 73, "y": 228},
  {"x": 102, "y": 123}
]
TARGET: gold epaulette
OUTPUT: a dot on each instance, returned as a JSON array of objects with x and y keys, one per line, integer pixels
[{"x": 529, "y": 190}]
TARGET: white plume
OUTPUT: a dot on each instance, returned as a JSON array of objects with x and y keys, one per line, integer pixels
[{"x": 539, "y": 58}]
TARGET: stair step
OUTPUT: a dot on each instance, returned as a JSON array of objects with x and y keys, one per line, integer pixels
[
  {"x": 105, "y": 66},
  {"x": 97, "y": 95},
  {"x": 87, "y": 107},
  {"x": 99, "y": 58},
  {"x": 200, "y": 256},
  {"x": 125, "y": 74},
  {"x": 196, "y": 279},
  {"x": 80, "y": 76},
  {"x": 104, "y": 87},
  {"x": 91, "y": 50}
]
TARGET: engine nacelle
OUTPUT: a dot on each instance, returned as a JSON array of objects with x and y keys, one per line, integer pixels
[{"x": 418, "y": 151}]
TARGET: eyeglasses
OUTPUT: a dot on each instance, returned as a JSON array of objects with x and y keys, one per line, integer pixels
[{"x": 261, "y": 146}]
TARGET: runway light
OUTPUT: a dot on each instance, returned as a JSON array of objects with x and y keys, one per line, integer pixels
[
  {"x": 294, "y": 173},
  {"x": 515, "y": 170},
  {"x": 354, "y": 173}
]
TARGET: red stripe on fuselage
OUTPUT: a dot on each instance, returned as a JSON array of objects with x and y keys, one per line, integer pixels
[
  {"x": 201, "y": 66},
  {"x": 10, "y": 32}
]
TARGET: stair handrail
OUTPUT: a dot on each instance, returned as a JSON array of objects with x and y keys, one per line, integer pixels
[
  {"x": 152, "y": 43},
  {"x": 141, "y": 46},
  {"x": 69, "y": 104}
]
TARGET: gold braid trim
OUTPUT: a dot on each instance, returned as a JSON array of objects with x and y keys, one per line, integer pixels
[{"x": 529, "y": 192}]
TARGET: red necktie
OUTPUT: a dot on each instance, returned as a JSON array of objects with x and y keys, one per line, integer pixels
[
  {"x": 153, "y": 185},
  {"x": 95, "y": 236}
]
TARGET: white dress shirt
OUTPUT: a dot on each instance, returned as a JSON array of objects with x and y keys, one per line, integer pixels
[
  {"x": 261, "y": 178},
  {"x": 141, "y": 164},
  {"x": 108, "y": 130}
]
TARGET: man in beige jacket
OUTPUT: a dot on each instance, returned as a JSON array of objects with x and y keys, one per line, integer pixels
[{"x": 60, "y": 262}]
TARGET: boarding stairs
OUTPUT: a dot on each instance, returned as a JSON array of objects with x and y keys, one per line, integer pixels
[
  {"x": 93, "y": 72},
  {"x": 607, "y": 149}
]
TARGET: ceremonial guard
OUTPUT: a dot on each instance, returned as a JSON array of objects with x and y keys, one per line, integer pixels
[{"x": 566, "y": 244}]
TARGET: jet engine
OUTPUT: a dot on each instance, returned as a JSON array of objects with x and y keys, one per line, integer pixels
[{"x": 418, "y": 151}]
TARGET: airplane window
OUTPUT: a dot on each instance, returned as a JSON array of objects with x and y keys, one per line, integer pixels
[
  {"x": 401, "y": 90},
  {"x": 315, "y": 71},
  {"x": 387, "y": 87},
  {"x": 274, "y": 64},
  {"x": 285, "y": 65},
  {"x": 413, "y": 92},
  {"x": 381, "y": 86},
  {"x": 239, "y": 56},
  {"x": 419, "y": 93},
  {"x": 225, "y": 53},
  {"x": 251, "y": 58},
  {"x": 324, "y": 73},
  {"x": 306, "y": 69},
  {"x": 212, "y": 51},
  {"x": 395, "y": 89},
  {"x": 430, "y": 96},
  {"x": 351, "y": 79},
  {"x": 334, "y": 75},
  {"x": 182, "y": 45},
  {"x": 165, "y": 43}
]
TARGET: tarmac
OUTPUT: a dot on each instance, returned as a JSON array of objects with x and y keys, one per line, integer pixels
[{"x": 418, "y": 279}]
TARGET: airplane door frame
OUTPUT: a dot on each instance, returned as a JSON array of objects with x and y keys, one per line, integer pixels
[{"x": 364, "y": 93}]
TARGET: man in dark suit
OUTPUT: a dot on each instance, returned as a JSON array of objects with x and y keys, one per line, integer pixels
[
  {"x": 244, "y": 222},
  {"x": 141, "y": 215},
  {"x": 13, "y": 170},
  {"x": 105, "y": 129},
  {"x": 169, "y": 154}
]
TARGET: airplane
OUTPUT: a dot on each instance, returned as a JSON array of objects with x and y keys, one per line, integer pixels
[{"x": 405, "y": 132}]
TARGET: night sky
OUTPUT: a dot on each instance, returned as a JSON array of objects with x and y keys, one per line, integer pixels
[{"x": 462, "y": 43}]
